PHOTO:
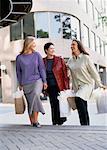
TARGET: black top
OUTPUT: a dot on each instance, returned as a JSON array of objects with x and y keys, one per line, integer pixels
[{"x": 50, "y": 75}]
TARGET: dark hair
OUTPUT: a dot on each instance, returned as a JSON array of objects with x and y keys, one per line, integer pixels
[
  {"x": 81, "y": 47},
  {"x": 46, "y": 46}
]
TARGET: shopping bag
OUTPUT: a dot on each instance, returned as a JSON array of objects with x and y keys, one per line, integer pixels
[
  {"x": 19, "y": 101},
  {"x": 101, "y": 102},
  {"x": 72, "y": 104},
  {"x": 96, "y": 93},
  {"x": 65, "y": 108},
  {"x": 44, "y": 95}
]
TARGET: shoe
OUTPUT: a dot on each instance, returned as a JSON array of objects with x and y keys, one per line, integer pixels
[
  {"x": 55, "y": 124},
  {"x": 36, "y": 124},
  {"x": 62, "y": 120}
]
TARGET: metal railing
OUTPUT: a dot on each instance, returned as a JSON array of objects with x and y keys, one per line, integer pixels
[{"x": 16, "y": 10}]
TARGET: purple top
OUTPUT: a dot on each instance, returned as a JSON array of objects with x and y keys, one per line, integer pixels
[{"x": 29, "y": 68}]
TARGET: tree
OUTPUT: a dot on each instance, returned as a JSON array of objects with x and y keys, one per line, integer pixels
[
  {"x": 104, "y": 20},
  {"x": 42, "y": 34}
]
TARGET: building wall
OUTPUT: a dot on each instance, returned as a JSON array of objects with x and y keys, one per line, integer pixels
[{"x": 9, "y": 50}]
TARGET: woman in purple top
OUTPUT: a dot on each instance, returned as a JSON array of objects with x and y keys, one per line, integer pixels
[{"x": 31, "y": 76}]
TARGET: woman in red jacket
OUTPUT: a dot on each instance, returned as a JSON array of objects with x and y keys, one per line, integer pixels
[{"x": 57, "y": 80}]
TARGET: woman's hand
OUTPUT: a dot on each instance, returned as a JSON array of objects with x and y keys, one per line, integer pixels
[
  {"x": 20, "y": 87},
  {"x": 45, "y": 86},
  {"x": 104, "y": 87}
]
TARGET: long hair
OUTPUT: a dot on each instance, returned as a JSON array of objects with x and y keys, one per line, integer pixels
[
  {"x": 27, "y": 43},
  {"x": 81, "y": 47}
]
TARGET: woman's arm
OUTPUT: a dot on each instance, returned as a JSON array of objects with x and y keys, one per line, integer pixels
[
  {"x": 94, "y": 73},
  {"x": 18, "y": 70},
  {"x": 42, "y": 71},
  {"x": 65, "y": 74}
]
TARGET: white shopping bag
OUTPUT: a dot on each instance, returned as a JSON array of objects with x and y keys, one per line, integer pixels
[
  {"x": 18, "y": 94},
  {"x": 96, "y": 94},
  {"x": 63, "y": 102},
  {"x": 102, "y": 102}
]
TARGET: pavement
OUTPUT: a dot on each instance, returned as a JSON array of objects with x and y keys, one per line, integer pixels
[
  {"x": 25, "y": 137},
  {"x": 8, "y": 116},
  {"x": 16, "y": 133}
]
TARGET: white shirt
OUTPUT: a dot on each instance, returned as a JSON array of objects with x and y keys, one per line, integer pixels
[{"x": 83, "y": 74}]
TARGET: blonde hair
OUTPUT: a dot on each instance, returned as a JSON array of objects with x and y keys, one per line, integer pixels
[{"x": 27, "y": 43}]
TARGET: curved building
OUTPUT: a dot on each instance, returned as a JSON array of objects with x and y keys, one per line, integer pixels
[{"x": 58, "y": 21}]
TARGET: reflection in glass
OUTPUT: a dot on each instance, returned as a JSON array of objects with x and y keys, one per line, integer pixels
[
  {"x": 15, "y": 31},
  {"x": 75, "y": 32},
  {"x": 96, "y": 16},
  {"x": 41, "y": 21},
  {"x": 98, "y": 44},
  {"x": 100, "y": 23},
  {"x": 102, "y": 48},
  {"x": 66, "y": 26},
  {"x": 86, "y": 35},
  {"x": 92, "y": 41},
  {"x": 28, "y": 25},
  {"x": 90, "y": 9},
  {"x": 45, "y": 25},
  {"x": 84, "y": 5},
  {"x": 55, "y": 25}
]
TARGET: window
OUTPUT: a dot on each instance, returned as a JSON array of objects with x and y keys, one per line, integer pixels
[
  {"x": 16, "y": 31},
  {"x": 77, "y": 1},
  {"x": 84, "y": 4},
  {"x": 92, "y": 41},
  {"x": 42, "y": 27},
  {"x": 96, "y": 16},
  {"x": 102, "y": 5},
  {"x": 100, "y": 21},
  {"x": 90, "y": 9},
  {"x": 86, "y": 36},
  {"x": 45, "y": 25},
  {"x": 66, "y": 26},
  {"x": 55, "y": 25},
  {"x": 98, "y": 44},
  {"x": 28, "y": 25},
  {"x": 75, "y": 28},
  {"x": 104, "y": 48}
]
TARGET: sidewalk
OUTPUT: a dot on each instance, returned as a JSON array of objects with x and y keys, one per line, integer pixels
[
  {"x": 22, "y": 137},
  {"x": 16, "y": 133},
  {"x": 8, "y": 116}
]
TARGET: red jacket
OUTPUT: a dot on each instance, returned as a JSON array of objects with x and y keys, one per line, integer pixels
[{"x": 60, "y": 72}]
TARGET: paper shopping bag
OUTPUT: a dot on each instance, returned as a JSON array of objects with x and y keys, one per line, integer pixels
[
  {"x": 19, "y": 105},
  {"x": 19, "y": 101},
  {"x": 71, "y": 101}
]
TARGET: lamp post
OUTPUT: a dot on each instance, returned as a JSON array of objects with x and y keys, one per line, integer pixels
[
  {"x": 101, "y": 70},
  {"x": 3, "y": 68}
]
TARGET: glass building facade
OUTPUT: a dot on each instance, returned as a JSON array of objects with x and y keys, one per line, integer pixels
[{"x": 56, "y": 25}]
